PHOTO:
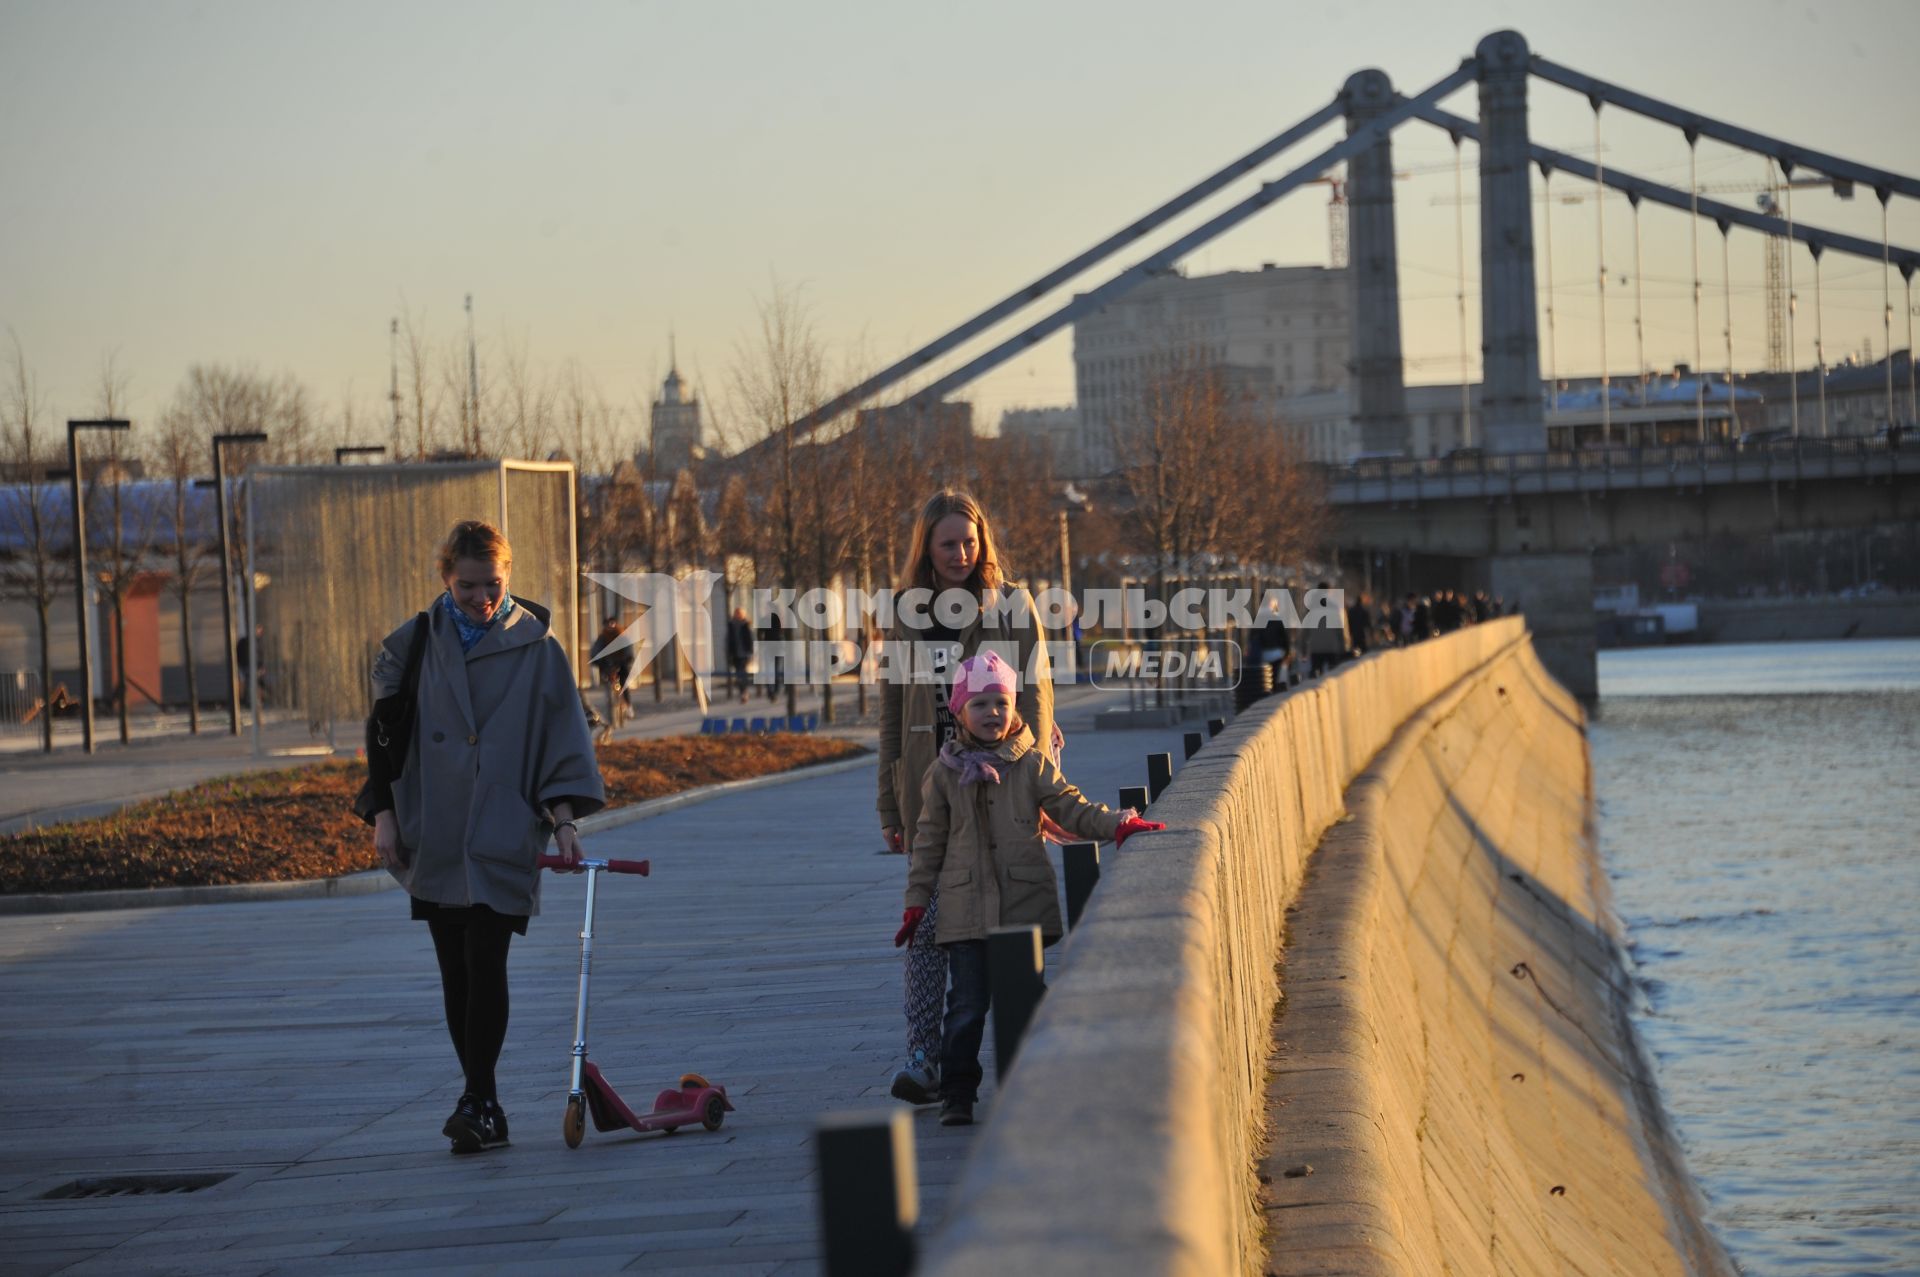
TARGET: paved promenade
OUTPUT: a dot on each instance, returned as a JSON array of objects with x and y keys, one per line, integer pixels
[{"x": 299, "y": 1046}]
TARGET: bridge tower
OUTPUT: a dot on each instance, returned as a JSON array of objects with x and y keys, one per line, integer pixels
[
  {"x": 1510, "y": 403},
  {"x": 1379, "y": 386}
]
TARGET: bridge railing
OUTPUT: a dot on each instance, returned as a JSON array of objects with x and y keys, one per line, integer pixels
[
  {"x": 1617, "y": 457},
  {"x": 1636, "y": 466}
]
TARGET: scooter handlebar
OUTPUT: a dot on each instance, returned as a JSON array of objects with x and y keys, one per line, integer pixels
[{"x": 562, "y": 865}]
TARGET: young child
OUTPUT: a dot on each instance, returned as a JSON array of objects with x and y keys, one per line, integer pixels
[{"x": 979, "y": 841}]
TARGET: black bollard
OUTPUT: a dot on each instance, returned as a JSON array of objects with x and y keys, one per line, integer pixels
[
  {"x": 1015, "y": 982},
  {"x": 1082, "y": 863},
  {"x": 869, "y": 1192},
  {"x": 1215, "y": 726},
  {"x": 1134, "y": 796},
  {"x": 1193, "y": 741},
  {"x": 1159, "y": 775}
]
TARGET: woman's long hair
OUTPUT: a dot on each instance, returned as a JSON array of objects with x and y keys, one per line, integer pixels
[{"x": 917, "y": 573}]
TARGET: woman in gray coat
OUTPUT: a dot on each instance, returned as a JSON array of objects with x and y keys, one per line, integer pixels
[{"x": 499, "y": 762}]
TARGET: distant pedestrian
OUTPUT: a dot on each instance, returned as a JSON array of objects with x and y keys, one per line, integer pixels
[
  {"x": 497, "y": 762},
  {"x": 978, "y": 841},
  {"x": 1359, "y": 626},
  {"x": 1327, "y": 642},
  {"x": 615, "y": 667},
  {"x": 774, "y": 635},
  {"x": 1275, "y": 647},
  {"x": 740, "y": 651}
]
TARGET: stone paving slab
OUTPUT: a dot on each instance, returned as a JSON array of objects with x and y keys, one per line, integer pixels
[{"x": 298, "y": 1044}]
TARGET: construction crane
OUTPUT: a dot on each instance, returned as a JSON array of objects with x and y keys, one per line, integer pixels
[
  {"x": 1336, "y": 219},
  {"x": 1337, "y": 249}
]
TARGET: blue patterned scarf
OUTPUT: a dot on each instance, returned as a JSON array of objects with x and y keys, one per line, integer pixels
[{"x": 471, "y": 631}]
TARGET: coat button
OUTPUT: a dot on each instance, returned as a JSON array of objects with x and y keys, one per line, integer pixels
[
  {"x": 473, "y": 740},
  {"x": 438, "y": 737}
]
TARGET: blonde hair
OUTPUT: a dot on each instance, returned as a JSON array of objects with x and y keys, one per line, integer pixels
[
  {"x": 917, "y": 573},
  {"x": 478, "y": 540}
]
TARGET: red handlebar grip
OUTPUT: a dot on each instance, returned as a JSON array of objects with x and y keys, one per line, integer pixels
[
  {"x": 552, "y": 862},
  {"x": 641, "y": 867}
]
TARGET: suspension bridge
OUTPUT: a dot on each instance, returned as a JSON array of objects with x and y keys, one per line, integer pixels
[{"x": 1515, "y": 467}]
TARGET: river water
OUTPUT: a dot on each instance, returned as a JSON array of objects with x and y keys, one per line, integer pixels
[{"x": 1759, "y": 815}]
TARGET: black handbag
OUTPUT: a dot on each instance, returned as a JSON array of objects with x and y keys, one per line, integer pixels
[{"x": 390, "y": 731}]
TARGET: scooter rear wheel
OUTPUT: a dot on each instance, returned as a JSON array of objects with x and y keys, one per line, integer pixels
[
  {"x": 714, "y": 1113},
  {"x": 574, "y": 1128}
]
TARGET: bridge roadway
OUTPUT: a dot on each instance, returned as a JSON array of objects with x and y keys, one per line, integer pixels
[
  {"x": 1575, "y": 503},
  {"x": 299, "y": 1045}
]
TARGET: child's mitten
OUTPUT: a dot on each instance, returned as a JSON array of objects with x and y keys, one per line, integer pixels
[
  {"x": 909, "y": 923},
  {"x": 1134, "y": 825}
]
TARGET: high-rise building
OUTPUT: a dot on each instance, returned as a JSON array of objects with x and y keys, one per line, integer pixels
[
  {"x": 1287, "y": 327},
  {"x": 1054, "y": 430},
  {"x": 677, "y": 439}
]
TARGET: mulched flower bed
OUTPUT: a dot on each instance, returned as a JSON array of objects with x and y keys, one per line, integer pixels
[{"x": 279, "y": 826}]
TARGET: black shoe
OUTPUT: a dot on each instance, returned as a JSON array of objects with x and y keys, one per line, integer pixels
[
  {"x": 955, "y": 1111},
  {"x": 476, "y": 1126}
]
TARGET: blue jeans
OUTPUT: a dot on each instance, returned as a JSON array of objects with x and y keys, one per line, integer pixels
[{"x": 967, "y": 1002}]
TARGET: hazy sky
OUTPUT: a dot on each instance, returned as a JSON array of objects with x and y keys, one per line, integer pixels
[{"x": 270, "y": 183}]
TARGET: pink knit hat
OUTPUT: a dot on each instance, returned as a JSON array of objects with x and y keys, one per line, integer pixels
[{"x": 983, "y": 672}]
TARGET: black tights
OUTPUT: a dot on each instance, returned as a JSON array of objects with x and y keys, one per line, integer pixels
[{"x": 473, "y": 980}]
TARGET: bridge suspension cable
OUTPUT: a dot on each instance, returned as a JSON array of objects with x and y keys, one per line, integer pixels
[
  {"x": 1726, "y": 292},
  {"x": 1658, "y": 193},
  {"x": 1693, "y": 225},
  {"x": 1460, "y": 297},
  {"x": 1553, "y": 336},
  {"x": 1600, "y": 277},
  {"x": 1364, "y": 136},
  {"x": 1789, "y": 155},
  {"x": 1793, "y": 307},
  {"x": 1819, "y": 337},
  {"x": 1023, "y": 297}
]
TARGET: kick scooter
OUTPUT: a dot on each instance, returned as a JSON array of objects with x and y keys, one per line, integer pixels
[{"x": 694, "y": 1100}]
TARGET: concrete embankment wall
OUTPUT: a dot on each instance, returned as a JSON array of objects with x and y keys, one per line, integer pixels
[
  {"x": 1132, "y": 1132},
  {"x": 1808, "y": 620},
  {"x": 1454, "y": 1058}
]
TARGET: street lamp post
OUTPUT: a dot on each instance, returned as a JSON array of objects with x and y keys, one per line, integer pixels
[
  {"x": 80, "y": 568},
  {"x": 226, "y": 569},
  {"x": 341, "y": 454}
]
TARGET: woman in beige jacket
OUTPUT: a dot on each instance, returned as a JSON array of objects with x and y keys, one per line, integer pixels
[{"x": 950, "y": 554}]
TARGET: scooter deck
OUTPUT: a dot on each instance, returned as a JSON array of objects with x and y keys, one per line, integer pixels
[{"x": 674, "y": 1107}]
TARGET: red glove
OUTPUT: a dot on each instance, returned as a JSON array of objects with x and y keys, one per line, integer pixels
[
  {"x": 1134, "y": 825},
  {"x": 909, "y": 923}
]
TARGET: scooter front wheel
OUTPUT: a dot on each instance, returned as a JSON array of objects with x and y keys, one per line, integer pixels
[{"x": 574, "y": 1128}]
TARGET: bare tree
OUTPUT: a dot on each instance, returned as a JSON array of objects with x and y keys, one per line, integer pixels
[
  {"x": 1013, "y": 480},
  {"x": 778, "y": 376},
  {"x": 525, "y": 407},
  {"x": 124, "y": 527},
  {"x": 28, "y": 505},
  {"x": 177, "y": 453},
  {"x": 423, "y": 391},
  {"x": 1212, "y": 485}
]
